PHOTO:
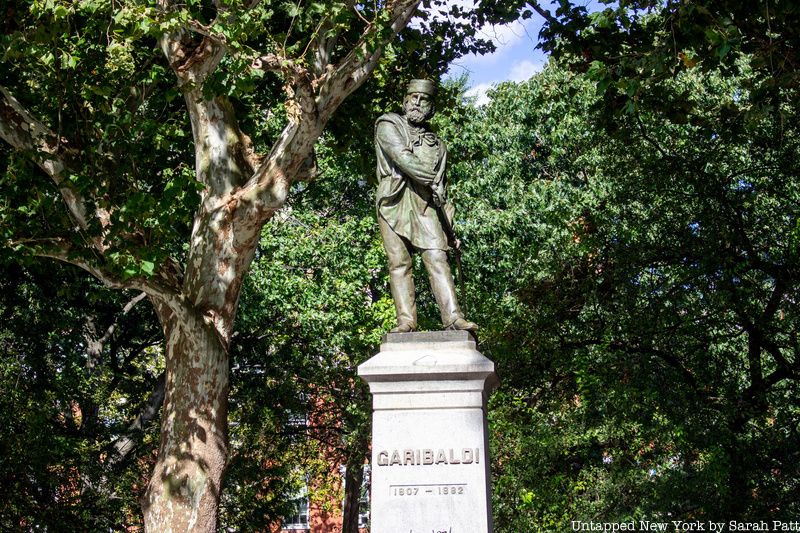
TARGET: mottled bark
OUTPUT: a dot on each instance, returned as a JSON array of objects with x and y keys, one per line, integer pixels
[
  {"x": 183, "y": 493},
  {"x": 23, "y": 131}
]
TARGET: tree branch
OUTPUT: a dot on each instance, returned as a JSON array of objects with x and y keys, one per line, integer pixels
[
  {"x": 127, "y": 442},
  {"x": 665, "y": 356},
  {"x": 96, "y": 343},
  {"x": 354, "y": 69},
  {"x": 774, "y": 300},
  {"x": 159, "y": 286},
  {"x": 191, "y": 62},
  {"x": 323, "y": 45},
  {"x": 277, "y": 63},
  {"x": 310, "y": 104},
  {"x": 775, "y": 351},
  {"x": 216, "y": 38},
  {"x": 23, "y": 131},
  {"x": 651, "y": 141},
  {"x": 543, "y": 12}
]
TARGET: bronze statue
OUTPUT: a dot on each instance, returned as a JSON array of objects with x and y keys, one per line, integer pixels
[{"x": 413, "y": 212}]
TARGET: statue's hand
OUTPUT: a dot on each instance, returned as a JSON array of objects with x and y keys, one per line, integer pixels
[{"x": 439, "y": 195}]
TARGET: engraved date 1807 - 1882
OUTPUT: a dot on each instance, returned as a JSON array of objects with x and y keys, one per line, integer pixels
[{"x": 428, "y": 489}]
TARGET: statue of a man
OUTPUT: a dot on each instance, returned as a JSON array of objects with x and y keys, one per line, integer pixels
[{"x": 413, "y": 212}]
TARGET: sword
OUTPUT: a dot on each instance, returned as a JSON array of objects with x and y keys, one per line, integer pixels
[{"x": 455, "y": 245}]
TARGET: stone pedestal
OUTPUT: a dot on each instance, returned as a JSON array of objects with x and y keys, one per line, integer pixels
[{"x": 430, "y": 462}]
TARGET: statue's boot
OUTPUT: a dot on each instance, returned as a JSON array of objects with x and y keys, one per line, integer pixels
[
  {"x": 463, "y": 324},
  {"x": 402, "y": 328},
  {"x": 444, "y": 290}
]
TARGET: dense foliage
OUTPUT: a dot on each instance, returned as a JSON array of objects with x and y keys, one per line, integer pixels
[
  {"x": 78, "y": 368},
  {"x": 632, "y": 253},
  {"x": 638, "y": 279},
  {"x": 152, "y": 140}
]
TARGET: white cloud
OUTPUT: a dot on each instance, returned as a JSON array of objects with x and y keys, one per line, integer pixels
[
  {"x": 519, "y": 72},
  {"x": 506, "y": 35},
  {"x": 479, "y": 91},
  {"x": 505, "y": 38},
  {"x": 523, "y": 70}
]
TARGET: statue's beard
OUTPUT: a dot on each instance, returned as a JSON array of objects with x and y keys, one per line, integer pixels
[{"x": 415, "y": 115}]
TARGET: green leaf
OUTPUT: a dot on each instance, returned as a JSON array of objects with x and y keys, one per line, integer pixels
[{"x": 148, "y": 267}]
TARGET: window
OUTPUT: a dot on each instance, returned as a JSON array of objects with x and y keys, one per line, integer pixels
[
  {"x": 363, "y": 501},
  {"x": 298, "y": 520},
  {"x": 297, "y": 420}
]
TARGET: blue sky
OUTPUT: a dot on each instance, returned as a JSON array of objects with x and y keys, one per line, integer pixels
[{"x": 516, "y": 58}]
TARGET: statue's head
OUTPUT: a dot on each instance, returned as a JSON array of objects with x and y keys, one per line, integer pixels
[{"x": 418, "y": 103}]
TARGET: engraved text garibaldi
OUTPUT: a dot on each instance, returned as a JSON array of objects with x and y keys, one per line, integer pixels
[{"x": 412, "y": 206}]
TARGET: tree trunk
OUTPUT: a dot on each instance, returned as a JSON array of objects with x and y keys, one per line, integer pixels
[
  {"x": 184, "y": 489},
  {"x": 353, "y": 478}
]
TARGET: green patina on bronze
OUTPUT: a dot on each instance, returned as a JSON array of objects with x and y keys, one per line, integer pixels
[{"x": 413, "y": 211}]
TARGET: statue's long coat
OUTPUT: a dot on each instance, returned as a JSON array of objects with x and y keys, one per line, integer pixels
[{"x": 410, "y": 160}]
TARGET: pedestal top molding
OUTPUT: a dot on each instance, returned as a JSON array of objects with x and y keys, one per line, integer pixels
[
  {"x": 428, "y": 336},
  {"x": 429, "y": 356}
]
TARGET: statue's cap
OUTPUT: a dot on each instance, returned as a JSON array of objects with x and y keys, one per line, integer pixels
[{"x": 421, "y": 86}]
